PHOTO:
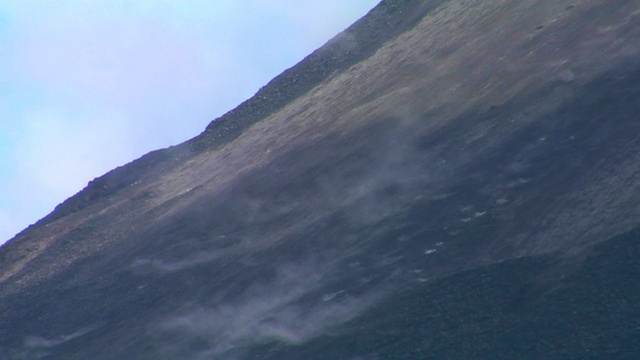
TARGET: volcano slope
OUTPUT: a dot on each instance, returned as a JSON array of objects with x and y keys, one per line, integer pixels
[{"x": 443, "y": 180}]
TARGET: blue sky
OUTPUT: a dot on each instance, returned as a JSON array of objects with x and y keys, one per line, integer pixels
[{"x": 88, "y": 85}]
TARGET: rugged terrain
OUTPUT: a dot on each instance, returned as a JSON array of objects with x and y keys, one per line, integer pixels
[{"x": 443, "y": 180}]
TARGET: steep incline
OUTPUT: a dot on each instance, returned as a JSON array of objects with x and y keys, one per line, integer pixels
[{"x": 446, "y": 179}]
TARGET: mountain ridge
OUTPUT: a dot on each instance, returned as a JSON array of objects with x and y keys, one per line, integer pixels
[{"x": 350, "y": 46}]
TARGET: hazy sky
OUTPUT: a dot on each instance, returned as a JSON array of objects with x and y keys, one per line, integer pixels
[{"x": 88, "y": 85}]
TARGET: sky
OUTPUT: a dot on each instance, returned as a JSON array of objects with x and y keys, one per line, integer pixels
[{"x": 89, "y": 85}]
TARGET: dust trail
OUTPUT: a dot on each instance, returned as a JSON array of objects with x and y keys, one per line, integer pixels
[{"x": 292, "y": 309}]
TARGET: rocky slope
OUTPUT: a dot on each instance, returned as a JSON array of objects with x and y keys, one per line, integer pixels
[{"x": 445, "y": 179}]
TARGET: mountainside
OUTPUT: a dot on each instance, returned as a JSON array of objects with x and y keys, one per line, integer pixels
[{"x": 443, "y": 180}]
